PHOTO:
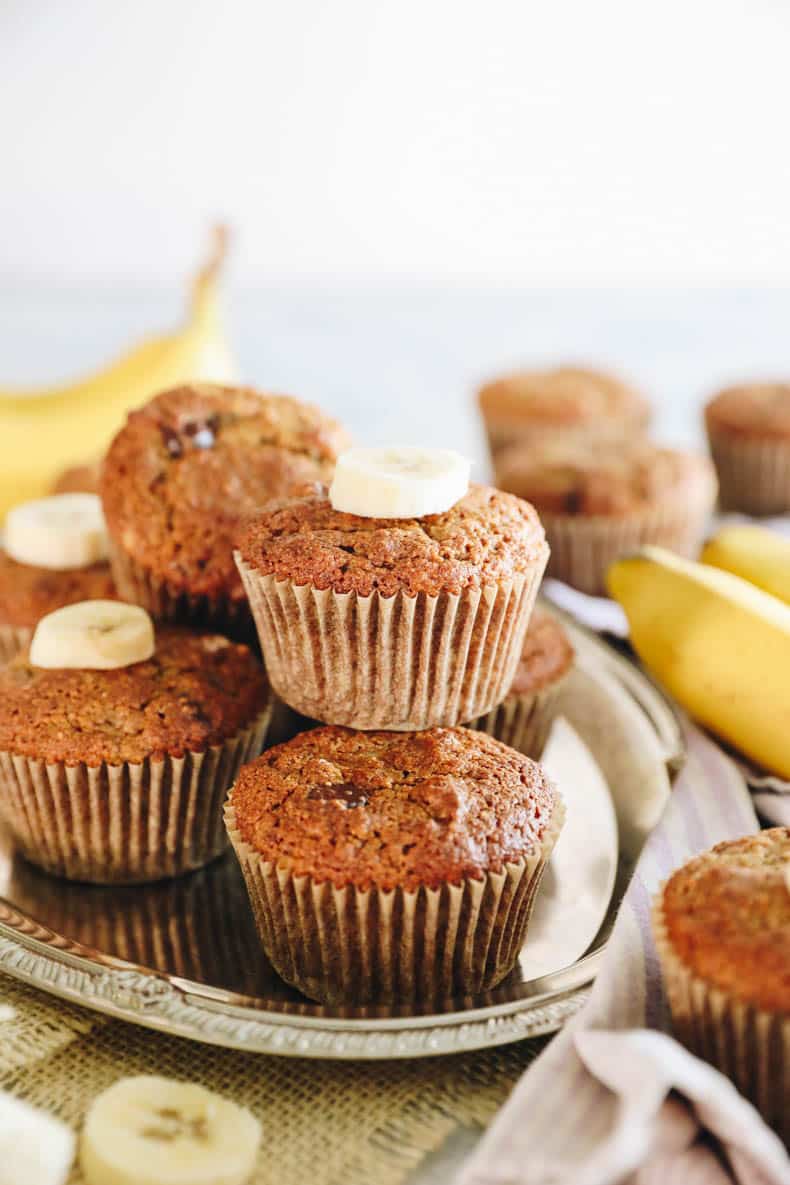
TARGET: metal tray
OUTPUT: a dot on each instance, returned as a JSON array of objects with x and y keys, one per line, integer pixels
[{"x": 183, "y": 957}]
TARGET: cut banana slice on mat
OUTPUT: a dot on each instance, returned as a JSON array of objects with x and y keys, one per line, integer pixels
[
  {"x": 154, "y": 1131},
  {"x": 93, "y": 635},
  {"x": 64, "y": 531},
  {"x": 34, "y": 1147},
  {"x": 406, "y": 482}
]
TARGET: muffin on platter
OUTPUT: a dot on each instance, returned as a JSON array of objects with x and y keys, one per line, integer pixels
[
  {"x": 599, "y": 501},
  {"x": 392, "y": 867},
  {"x": 749, "y": 433},
  {"x": 55, "y": 553},
  {"x": 179, "y": 479},
  {"x": 117, "y": 747},
  {"x": 398, "y": 599},
  {"x": 722, "y": 925},
  {"x": 563, "y": 399}
]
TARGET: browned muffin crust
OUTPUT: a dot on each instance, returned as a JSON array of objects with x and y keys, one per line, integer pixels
[
  {"x": 546, "y": 656},
  {"x": 79, "y": 479},
  {"x": 563, "y": 397},
  {"x": 389, "y": 809},
  {"x": 190, "y": 465},
  {"x": 588, "y": 478},
  {"x": 759, "y": 411},
  {"x": 485, "y": 538},
  {"x": 197, "y": 690},
  {"x": 727, "y": 916},
  {"x": 27, "y": 593}
]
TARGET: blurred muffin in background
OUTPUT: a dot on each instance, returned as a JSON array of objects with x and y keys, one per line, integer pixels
[
  {"x": 749, "y": 432},
  {"x": 531, "y": 403},
  {"x": 79, "y": 479},
  {"x": 599, "y": 500}
]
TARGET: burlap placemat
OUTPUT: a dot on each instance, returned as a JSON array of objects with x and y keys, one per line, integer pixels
[{"x": 325, "y": 1123}]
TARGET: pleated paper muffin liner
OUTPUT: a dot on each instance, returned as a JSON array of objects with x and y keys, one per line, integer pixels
[
  {"x": 754, "y": 475},
  {"x": 398, "y": 662},
  {"x": 584, "y": 546},
  {"x": 13, "y": 640},
  {"x": 349, "y": 945},
  {"x": 127, "y": 823},
  {"x": 523, "y": 721},
  {"x": 218, "y": 613},
  {"x": 749, "y": 1045}
]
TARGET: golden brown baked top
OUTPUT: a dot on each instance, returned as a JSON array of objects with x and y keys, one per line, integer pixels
[
  {"x": 485, "y": 538},
  {"x": 592, "y": 478},
  {"x": 546, "y": 656},
  {"x": 727, "y": 915},
  {"x": 759, "y": 410},
  {"x": 27, "y": 593},
  {"x": 189, "y": 466},
  {"x": 390, "y": 809},
  {"x": 79, "y": 479},
  {"x": 196, "y": 690},
  {"x": 563, "y": 397}
]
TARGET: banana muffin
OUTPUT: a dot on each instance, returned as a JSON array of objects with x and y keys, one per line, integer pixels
[
  {"x": 524, "y": 718},
  {"x": 564, "y": 399},
  {"x": 392, "y": 867},
  {"x": 119, "y": 775},
  {"x": 722, "y": 926},
  {"x": 393, "y": 623},
  {"x": 749, "y": 433},
  {"x": 598, "y": 501},
  {"x": 180, "y": 478},
  {"x": 78, "y": 479}
]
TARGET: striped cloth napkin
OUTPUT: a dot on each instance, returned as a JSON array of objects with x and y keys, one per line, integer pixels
[{"x": 614, "y": 1098}]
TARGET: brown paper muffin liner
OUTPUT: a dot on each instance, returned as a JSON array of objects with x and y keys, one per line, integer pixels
[
  {"x": 754, "y": 475},
  {"x": 523, "y": 721},
  {"x": 128, "y": 823},
  {"x": 397, "y": 662},
  {"x": 349, "y": 945},
  {"x": 13, "y": 640},
  {"x": 749, "y": 1045},
  {"x": 219, "y": 613}
]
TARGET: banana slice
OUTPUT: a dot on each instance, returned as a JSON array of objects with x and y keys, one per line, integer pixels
[
  {"x": 154, "y": 1131},
  {"x": 34, "y": 1147},
  {"x": 64, "y": 531},
  {"x": 93, "y": 635},
  {"x": 407, "y": 482}
]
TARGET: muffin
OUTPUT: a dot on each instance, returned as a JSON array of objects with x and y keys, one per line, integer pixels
[
  {"x": 749, "y": 433},
  {"x": 393, "y": 623},
  {"x": 179, "y": 479},
  {"x": 599, "y": 501},
  {"x": 524, "y": 718},
  {"x": 389, "y": 867},
  {"x": 78, "y": 479},
  {"x": 119, "y": 775},
  {"x": 722, "y": 925},
  {"x": 566, "y": 399}
]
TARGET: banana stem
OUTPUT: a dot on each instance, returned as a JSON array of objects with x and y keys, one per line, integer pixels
[{"x": 204, "y": 288}]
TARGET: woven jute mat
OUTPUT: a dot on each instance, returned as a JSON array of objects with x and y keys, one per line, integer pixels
[{"x": 324, "y": 1123}]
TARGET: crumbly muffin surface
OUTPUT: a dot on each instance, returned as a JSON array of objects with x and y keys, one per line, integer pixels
[
  {"x": 727, "y": 914},
  {"x": 389, "y": 809},
  {"x": 27, "y": 593},
  {"x": 188, "y": 467},
  {"x": 563, "y": 397},
  {"x": 485, "y": 538},
  {"x": 197, "y": 690},
  {"x": 546, "y": 656},
  {"x": 759, "y": 410}
]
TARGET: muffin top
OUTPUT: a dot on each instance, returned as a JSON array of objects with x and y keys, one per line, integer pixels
[
  {"x": 189, "y": 466},
  {"x": 759, "y": 410},
  {"x": 563, "y": 396},
  {"x": 727, "y": 914},
  {"x": 389, "y": 809},
  {"x": 196, "y": 690},
  {"x": 27, "y": 594},
  {"x": 591, "y": 478},
  {"x": 485, "y": 538},
  {"x": 546, "y": 656}
]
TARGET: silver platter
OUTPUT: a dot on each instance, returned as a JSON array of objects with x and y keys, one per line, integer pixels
[{"x": 183, "y": 957}]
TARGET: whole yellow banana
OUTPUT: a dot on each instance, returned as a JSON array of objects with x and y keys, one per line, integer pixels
[
  {"x": 719, "y": 645},
  {"x": 43, "y": 431},
  {"x": 762, "y": 557}
]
